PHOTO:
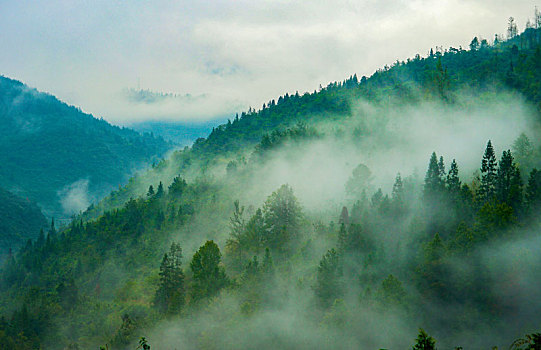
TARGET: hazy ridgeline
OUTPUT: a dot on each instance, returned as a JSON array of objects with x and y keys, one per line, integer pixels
[{"x": 342, "y": 231}]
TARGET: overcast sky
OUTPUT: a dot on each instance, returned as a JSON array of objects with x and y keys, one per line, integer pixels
[{"x": 227, "y": 55}]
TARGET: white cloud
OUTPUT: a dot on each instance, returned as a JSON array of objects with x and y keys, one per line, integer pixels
[{"x": 236, "y": 53}]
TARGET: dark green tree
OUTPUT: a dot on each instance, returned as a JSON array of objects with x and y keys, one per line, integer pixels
[
  {"x": 487, "y": 189},
  {"x": 533, "y": 190},
  {"x": 509, "y": 183},
  {"x": 208, "y": 274},
  {"x": 424, "y": 341},
  {"x": 329, "y": 285},
  {"x": 160, "y": 191},
  {"x": 453, "y": 181},
  {"x": 170, "y": 295},
  {"x": 178, "y": 186},
  {"x": 433, "y": 185}
]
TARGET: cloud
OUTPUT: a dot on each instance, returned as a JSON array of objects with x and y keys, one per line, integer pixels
[
  {"x": 75, "y": 197},
  {"x": 236, "y": 53}
]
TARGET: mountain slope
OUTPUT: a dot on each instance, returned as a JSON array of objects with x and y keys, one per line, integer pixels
[
  {"x": 60, "y": 157},
  {"x": 20, "y": 220}
]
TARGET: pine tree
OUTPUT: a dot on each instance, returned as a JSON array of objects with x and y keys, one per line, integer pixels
[
  {"x": 433, "y": 182},
  {"x": 424, "y": 341},
  {"x": 328, "y": 279},
  {"x": 509, "y": 183},
  {"x": 533, "y": 190},
  {"x": 159, "y": 191},
  {"x": 170, "y": 295},
  {"x": 441, "y": 168},
  {"x": 397, "y": 196},
  {"x": 178, "y": 186},
  {"x": 342, "y": 239},
  {"x": 487, "y": 190},
  {"x": 453, "y": 181},
  {"x": 150, "y": 192}
]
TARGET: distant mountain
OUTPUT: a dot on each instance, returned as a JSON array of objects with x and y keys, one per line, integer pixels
[
  {"x": 62, "y": 158},
  {"x": 20, "y": 220},
  {"x": 182, "y": 133}
]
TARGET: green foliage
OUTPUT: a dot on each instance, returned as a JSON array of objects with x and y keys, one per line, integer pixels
[
  {"x": 169, "y": 297},
  {"x": 282, "y": 215},
  {"x": 529, "y": 342},
  {"x": 208, "y": 273},
  {"x": 328, "y": 280},
  {"x": 424, "y": 341},
  {"x": 391, "y": 291},
  {"x": 487, "y": 190},
  {"x": 21, "y": 221}
]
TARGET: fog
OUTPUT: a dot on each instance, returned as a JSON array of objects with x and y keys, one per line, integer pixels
[{"x": 284, "y": 312}]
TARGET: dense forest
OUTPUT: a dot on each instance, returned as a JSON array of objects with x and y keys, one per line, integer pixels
[
  {"x": 54, "y": 154},
  {"x": 391, "y": 211},
  {"x": 21, "y": 220}
]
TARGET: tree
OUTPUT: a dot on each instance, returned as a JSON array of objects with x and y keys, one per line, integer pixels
[
  {"x": 453, "y": 181},
  {"x": 512, "y": 30},
  {"x": 254, "y": 233},
  {"x": 170, "y": 295},
  {"x": 441, "y": 79},
  {"x": 474, "y": 44},
  {"x": 237, "y": 226},
  {"x": 529, "y": 342},
  {"x": 178, "y": 186},
  {"x": 391, "y": 291},
  {"x": 533, "y": 190},
  {"x": 424, "y": 341},
  {"x": 282, "y": 215},
  {"x": 523, "y": 151},
  {"x": 433, "y": 181},
  {"x": 208, "y": 274},
  {"x": 487, "y": 190},
  {"x": 160, "y": 192},
  {"x": 328, "y": 279},
  {"x": 509, "y": 183},
  {"x": 150, "y": 192},
  {"x": 359, "y": 181},
  {"x": 397, "y": 196}
]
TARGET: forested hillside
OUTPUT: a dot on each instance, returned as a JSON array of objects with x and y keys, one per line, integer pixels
[
  {"x": 60, "y": 157},
  {"x": 349, "y": 217},
  {"x": 20, "y": 221}
]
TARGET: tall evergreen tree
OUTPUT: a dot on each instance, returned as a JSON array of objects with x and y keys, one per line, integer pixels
[
  {"x": 509, "y": 182},
  {"x": 453, "y": 181},
  {"x": 433, "y": 181},
  {"x": 159, "y": 191},
  {"x": 328, "y": 279},
  {"x": 533, "y": 190},
  {"x": 170, "y": 295},
  {"x": 487, "y": 189}
]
